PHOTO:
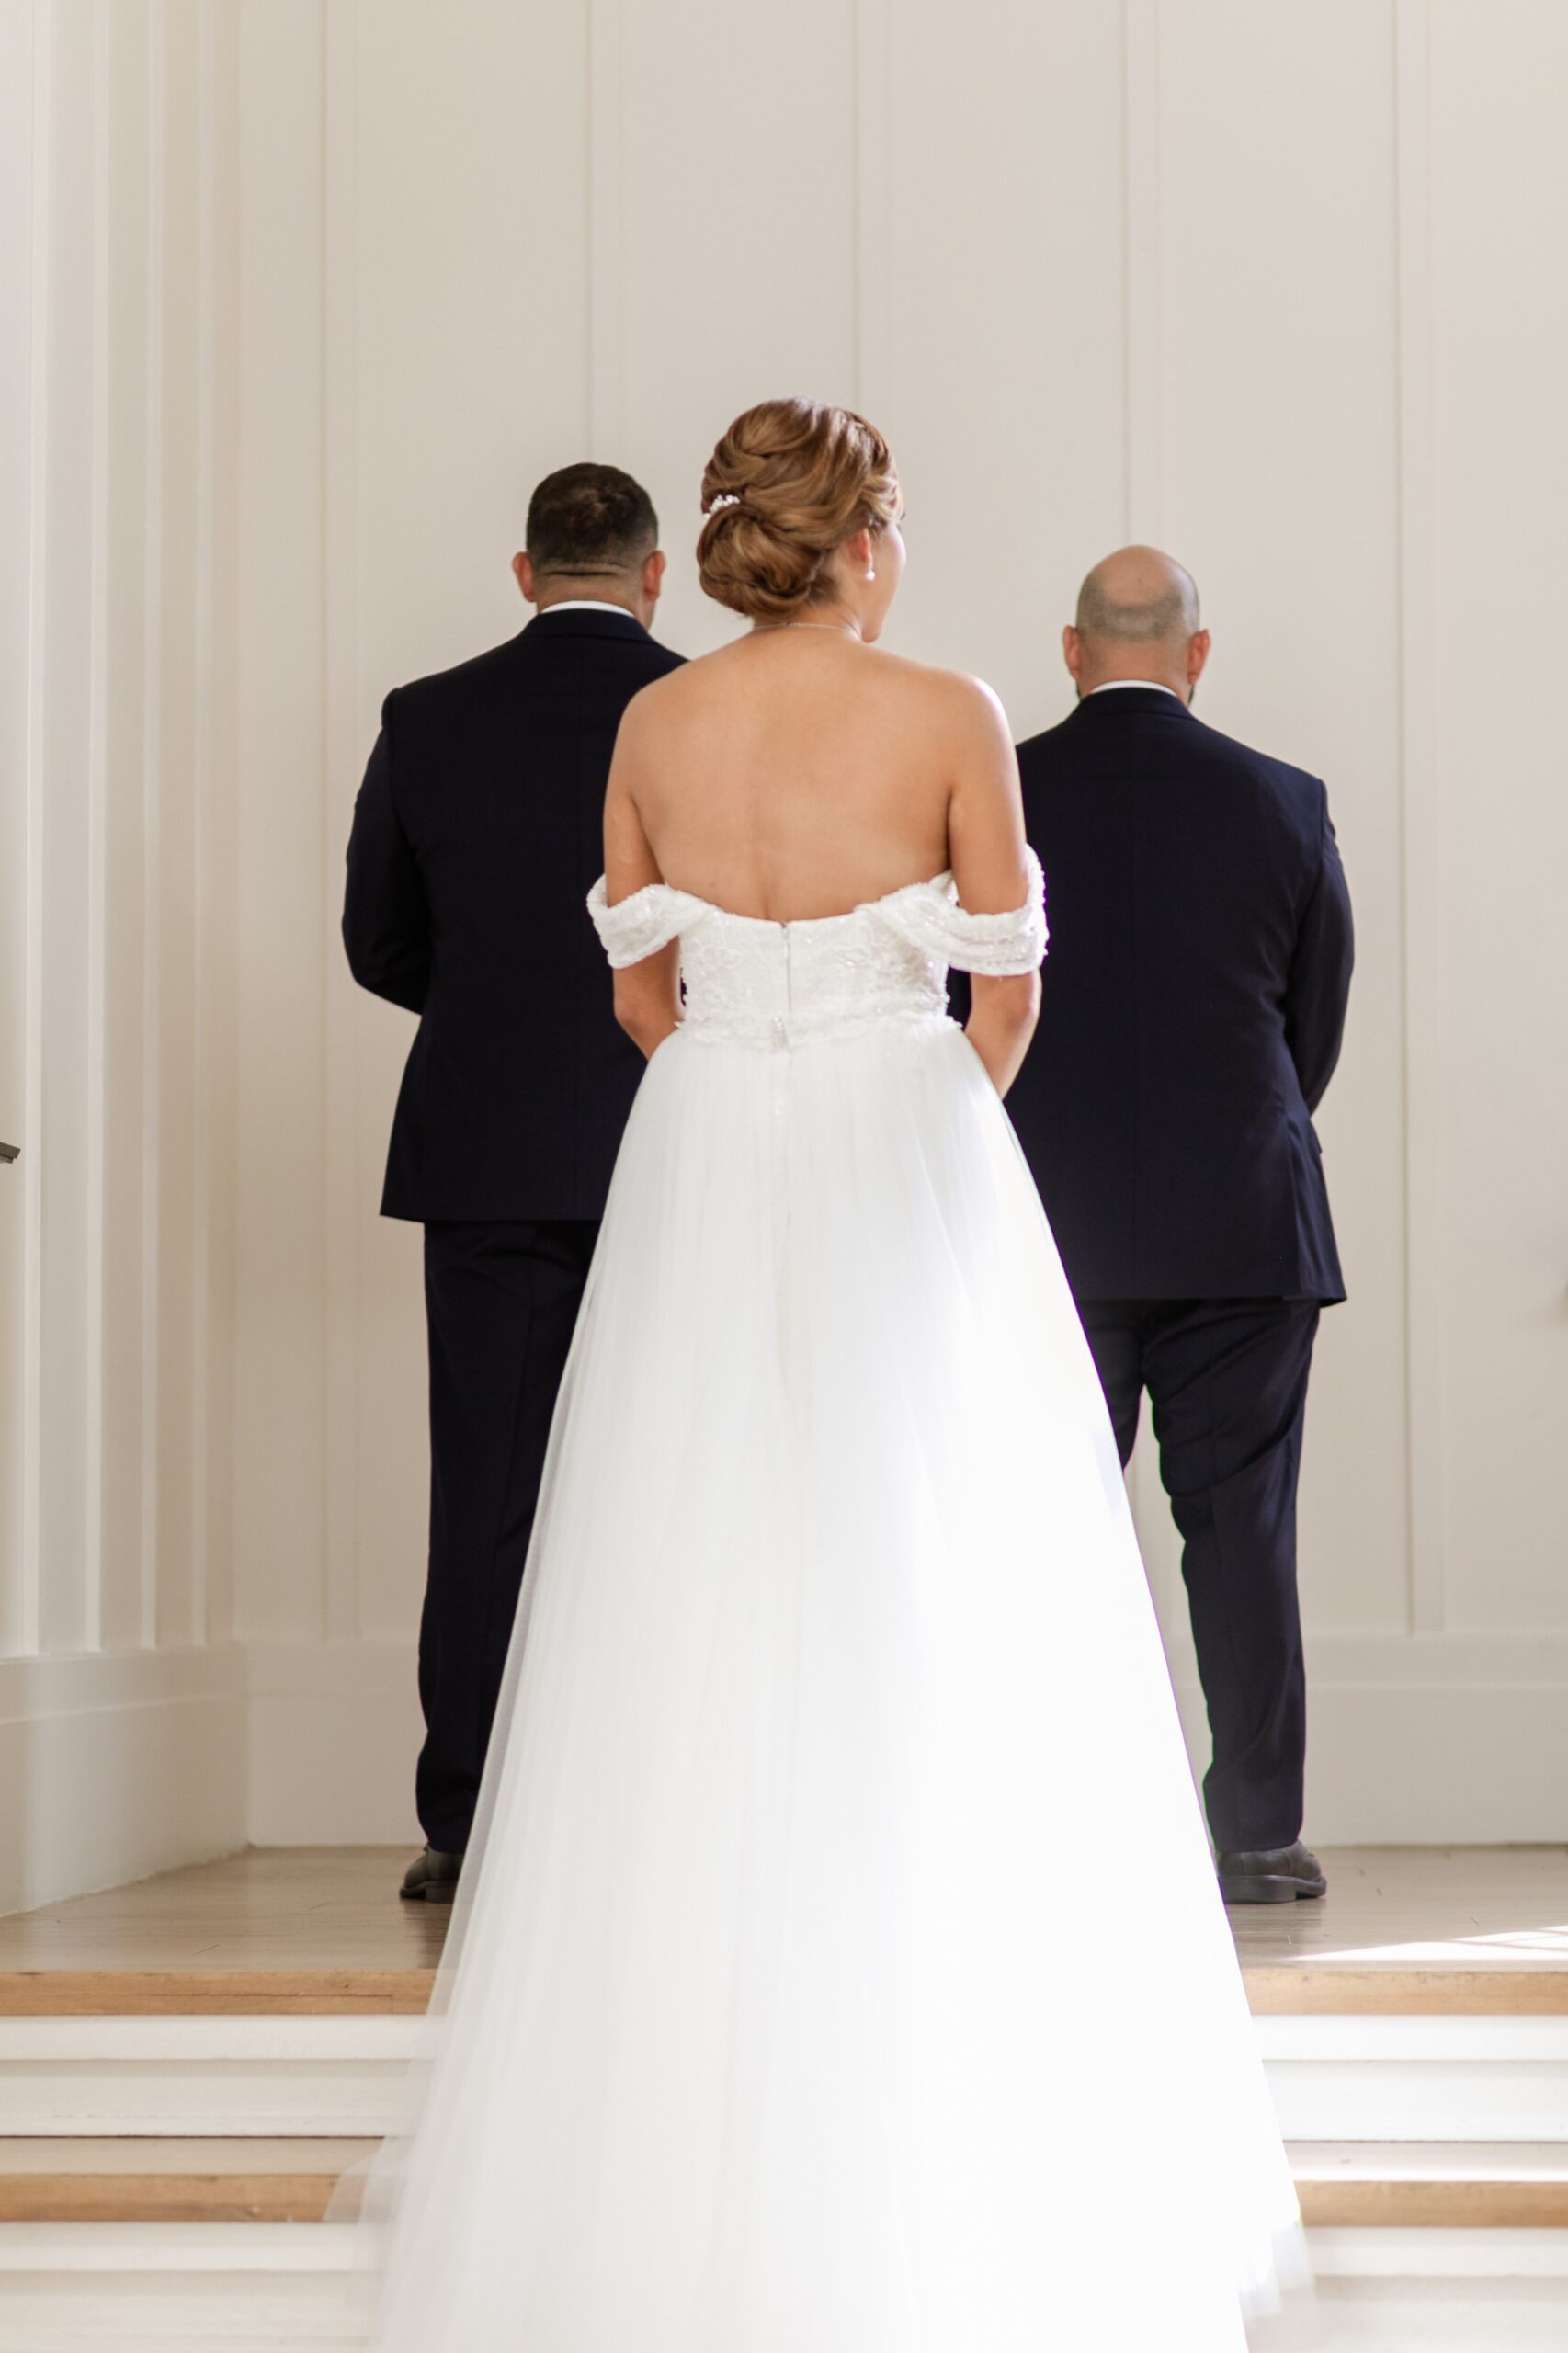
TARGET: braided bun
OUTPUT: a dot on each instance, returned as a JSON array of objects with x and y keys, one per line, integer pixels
[{"x": 788, "y": 484}]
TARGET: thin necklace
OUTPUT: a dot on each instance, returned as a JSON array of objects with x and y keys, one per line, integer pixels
[{"x": 842, "y": 628}]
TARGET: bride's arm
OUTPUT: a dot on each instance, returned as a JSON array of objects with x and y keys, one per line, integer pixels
[
  {"x": 647, "y": 995},
  {"x": 985, "y": 846}
]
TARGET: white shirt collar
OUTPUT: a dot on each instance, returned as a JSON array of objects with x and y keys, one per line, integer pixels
[
  {"x": 588, "y": 605},
  {"x": 1109, "y": 686}
]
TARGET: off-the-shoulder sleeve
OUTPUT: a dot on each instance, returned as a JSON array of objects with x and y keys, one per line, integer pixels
[
  {"x": 931, "y": 917},
  {"x": 639, "y": 925}
]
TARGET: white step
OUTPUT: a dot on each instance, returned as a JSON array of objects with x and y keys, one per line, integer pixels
[
  {"x": 1440, "y": 2315},
  {"x": 1441, "y": 2255},
  {"x": 1334, "y": 2077},
  {"x": 1356, "y": 2078},
  {"x": 1383, "y": 2185},
  {"x": 277, "y": 2288},
  {"x": 273, "y": 2075},
  {"x": 326, "y": 2250},
  {"x": 104, "y": 2309}
]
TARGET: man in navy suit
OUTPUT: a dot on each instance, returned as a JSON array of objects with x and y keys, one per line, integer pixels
[
  {"x": 1194, "y": 1005},
  {"x": 477, "y": 835}
]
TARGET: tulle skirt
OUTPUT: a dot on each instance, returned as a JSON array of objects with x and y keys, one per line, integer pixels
[{"x": 838, "y": 1967}]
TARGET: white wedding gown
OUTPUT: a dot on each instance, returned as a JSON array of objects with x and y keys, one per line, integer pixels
[{"x": 838, "y": 1967}]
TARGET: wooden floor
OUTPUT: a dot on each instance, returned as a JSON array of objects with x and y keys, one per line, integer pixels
[
  {"x": 1414, "y": 1930},
  {"x": 309, "y": 1932},
  {"x": 313, "y": 1929},
  {"x": 327, "y": 1921},
  {"x": 100, "y": 2180},
  {"x": 1433, "y": 1907},
  {"x": 273, "y": 1907}
]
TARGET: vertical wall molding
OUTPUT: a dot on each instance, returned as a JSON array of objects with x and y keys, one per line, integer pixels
[
  {"x": 220, "y": 873},
  {"x": 1420, "y": 910},
  {"x": 129, "y": 1753},
  {"x": 606, "y": 196},
  {"x": 1143, "y": 505},
  {"x": 153, "y": 817},
  {"x": 340, "y": 729},
  {"x": 27, "y": 1634},
  {"x": 16, "y": 203},
  {"x": 204, "y": 784},
  {"x": 1143, "y": 275},
  {"x": 873, "y": 243},
  {"x": 94, "y": 1077}
]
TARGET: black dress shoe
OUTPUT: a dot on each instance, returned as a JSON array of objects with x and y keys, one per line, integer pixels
[
  {"x": 1270, "y": 1875},
  {"x": 431, "y": 1878}
]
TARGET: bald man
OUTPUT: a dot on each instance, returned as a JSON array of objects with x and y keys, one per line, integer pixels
[{"x": 1195, "y": 999}]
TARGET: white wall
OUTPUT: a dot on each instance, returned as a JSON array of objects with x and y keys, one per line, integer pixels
[
  {"x": 1281, "y": 289},
  {"x": 121, "y": 1696}
]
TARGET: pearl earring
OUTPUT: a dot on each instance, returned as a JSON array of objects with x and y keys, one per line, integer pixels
[{"x": 871, "y": 575}]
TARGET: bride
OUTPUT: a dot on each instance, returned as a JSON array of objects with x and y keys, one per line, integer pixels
[{"x": 803, "y": 1999}]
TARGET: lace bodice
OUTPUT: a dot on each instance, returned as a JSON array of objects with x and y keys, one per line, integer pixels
[{"x": 750, "y": 982}]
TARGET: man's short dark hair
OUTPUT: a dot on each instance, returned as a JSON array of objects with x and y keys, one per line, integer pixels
[{"x": 588, "y": 519}]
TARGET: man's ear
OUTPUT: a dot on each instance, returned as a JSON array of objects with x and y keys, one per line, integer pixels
[
  {"x": 1073, "y": 651},
  {"x": 1196, "y": 655},
  {"x": 653, "y": 575},
  {"x": 523, "y": 572}
]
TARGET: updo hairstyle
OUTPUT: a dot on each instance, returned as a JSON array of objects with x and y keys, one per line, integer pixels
[{"x": 788, "y": 484}]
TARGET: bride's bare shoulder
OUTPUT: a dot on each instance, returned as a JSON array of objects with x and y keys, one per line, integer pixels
[
  {"x": 952, "y": 699},
  {"x": 667, "y": 697}
]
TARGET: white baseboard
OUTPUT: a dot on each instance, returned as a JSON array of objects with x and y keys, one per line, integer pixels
[
  {"x": 1439, "y": 1764},
  {"x": 1440, "y": 1740},
  {"x": 116, "y": 1765},
  {"x": 119, "y": 1766},
  {"x": 1453, "y": 1741},
  {"x": 335, "y": 1730}
]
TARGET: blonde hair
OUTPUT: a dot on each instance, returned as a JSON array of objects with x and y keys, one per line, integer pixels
[{"x": 790, "y": 482}]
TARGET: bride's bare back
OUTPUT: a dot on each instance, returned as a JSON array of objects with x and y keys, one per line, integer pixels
[
  {"x": 802, "y": 771},
  {"x": 799, "y": 772}
]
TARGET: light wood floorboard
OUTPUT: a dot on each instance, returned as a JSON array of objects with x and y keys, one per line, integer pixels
[
  {"x": 270, "y": 1908},
  {"x": 1411, "y": 1930},
  {"x": 1404, "y": 2184},
  {"x": 1465, "y": 1908},
  {"x": 172, "y": 2180}
]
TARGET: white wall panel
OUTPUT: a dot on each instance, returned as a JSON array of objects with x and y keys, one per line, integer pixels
[
  {"x": 458, "y": 239},
  {"x": 1277, "y": 477},
  {"x": 180, "y": 622},
  {"x": 722, "y": 252},
  {"x": 217, "y": 977},
  {"x": 68, "y": 1402},
  {"x": 117, "y": 240},
  {"x": 1208, "y": 274},
  {"x": 993, "y": 326},
  {"x": 282, "y": 931},
  {"x": 17, "y": 187},
  {"x": 125, "y": 172},
  {"x": 1499, "y": 492}
]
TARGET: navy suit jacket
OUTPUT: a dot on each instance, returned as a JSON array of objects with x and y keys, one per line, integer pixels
[
  {"x": 477, "y": 835},
  {"x": 1193, "y": 1006}
]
